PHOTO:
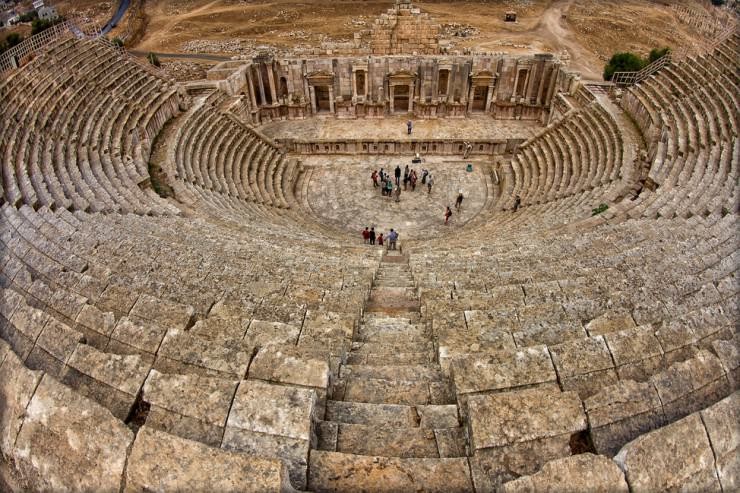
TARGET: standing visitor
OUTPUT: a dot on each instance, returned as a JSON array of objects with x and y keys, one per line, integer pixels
[
  {"x": 372, "y": 236},
  {"x": 398, "y": 175},
  {"x": 380, "y": 239},
  {"x": 430, "y": 182},
  {"x": 398, "y": 194},
  {"x": 365, "y": 235},
  {"x": 459, "y": 201},
  {"x": 392, "y": 238},
  {"x": 409, "y": 126},
  {"x": 517, "y": 203},
  {"x": 388, "y": 187},
  {"x": 448, "y": 214},
  {"x": 374, "y": 177}
]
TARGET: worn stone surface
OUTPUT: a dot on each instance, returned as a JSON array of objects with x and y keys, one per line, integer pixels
[
  {"x": 182, "y": 353},
  {"x": 497, "y": 420},
  {"x": 584, "y": 365},
  {"x": 328, "y": 326},
  {"x": 636, "y": 352},
  {"x": 620, "y": 413},
  {"x": 190, "y": 406},
  {"x": 675, "y": 457},
  {"x": 722, "y": 424},
  {"x": 264, "y": 333},
  {"x": 729, "y": 355},
  {"x": 386, "y": 441},
  {"x": 55, "y": 345},
  {"x": 289, "y": 365},
  {"x": 530, "y": 366},
  {"x": 70, "y": 443},
  {"x": 584, "y": 472},
  {"x": 27, "y": 322},
  {"x": 334, "y": 471},
  {"x": 273, "y": 420},
  {"x": 141, "y": 336},
  {"x": 17, "y": 385},
  {"x": 162, "y": 312},
  {"x": 160, "y": 462},
  {"x": 371, "y": 414},
  {"x": 610, "y": 321}
]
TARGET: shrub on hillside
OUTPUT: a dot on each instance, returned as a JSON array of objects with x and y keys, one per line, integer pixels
[
  {"x": 657, "y": 53},
  {"x": 623, "y": 62},
  {"x": 153, "y": 59},
  {"x": 12, "y": 40},
  {"x": 41, "y": 25},
  {"x": 118, "y": 42}
]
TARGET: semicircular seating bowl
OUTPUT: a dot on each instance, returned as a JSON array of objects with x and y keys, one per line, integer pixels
[{"x": 145, "y": 341}]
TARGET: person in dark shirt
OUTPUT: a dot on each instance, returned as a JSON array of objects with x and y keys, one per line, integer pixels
[{"x": 372, "y": 236}]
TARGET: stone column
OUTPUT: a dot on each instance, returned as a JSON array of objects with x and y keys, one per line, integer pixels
[
  {"x": 312, "y": 96},
  {"x": 331, "y": 99},
  {"x": 489, "y": 96},
  {"x": 471, "y": 97},
  {"x": 390, "y": 103},
  {"x": 354, "y": 86},
  {"x": 411, "y": 97},
  {"x": 541, "y": 88},
  {"x": 250, "y": 83},
  {"x": 262, "y": 85},
  {"x": 271, "y": 81}
]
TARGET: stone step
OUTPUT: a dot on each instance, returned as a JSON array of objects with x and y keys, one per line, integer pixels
[
  {"x": 426, "y": 373},
  {"x": 385, "y": 441},
  {"x": 401, "y": 336},
  {"x": 382, "y": 359},
  {"x": 380, "y": 391},
  {"x": 389, "y": 348},
  {"x": 335, "y": 471},
  {"x": 409, "y": 317},
  {"x": 392, "y": 415}
]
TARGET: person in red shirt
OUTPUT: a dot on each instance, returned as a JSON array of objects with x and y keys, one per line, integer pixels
[
  {"x": 380, "y": 239},
  {"x": 366, "y": 235}
]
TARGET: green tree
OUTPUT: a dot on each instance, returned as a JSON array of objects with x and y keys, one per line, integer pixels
[
  {"x": 153, "y": 59},
  {"x": 623, "y": 62},
  {"x": 118, "y": 42},
  {"x": 657, "y": 53},
  {"x": 13, "y": 39}
]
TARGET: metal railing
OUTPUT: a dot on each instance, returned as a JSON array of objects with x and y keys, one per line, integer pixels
[{"x": 630, "y": 78}]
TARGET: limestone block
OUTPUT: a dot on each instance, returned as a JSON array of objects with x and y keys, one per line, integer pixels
[
  {"x": 729, "y": 355},
  {"x": 190, "y": 406},
  {"x": 498, "y": 420},
  {"x": 117, "y": 299},
  {"x": 507, "y": 370},
  {"x": 584, "y": 472},
  {"x": 53, "y": 348},
  {"x": 678, "y": 341},
  {"x": 584, "y": 365},
  {"x": 676, "y": 457},
  {"x": 9, "y": 300},
  {"x": 70, "y": 443},
  {"x": 263, "y": 333},
  {"x": 691, "y": 385},
  {"x": 289, "y": 365},
  {"x": 721, "y": 422},
  {"x": 17, "y": 384},
  {"x": 112, "y": 380},
  {"x": 328, "y": 326},
  {"x": 131, "y": 337},
  {"x": 610, "y": 321},
  {"x": 636, "y": 352},
  {"x": 620, "y": 413},
  {"x": 333, "y": 471},
  {"x": 275, "y": 421},
  {"x": 162, "y": 312},
  {"x": 95, "y": 325},
  {"x": 160, "y": 462},
  {"x": 220, "y": 329},
  {"x": 24, "y": 328},
  {"x": 181, "y": 352}
]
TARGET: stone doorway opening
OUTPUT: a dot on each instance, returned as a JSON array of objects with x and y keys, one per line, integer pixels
[
  {"x": 480, "y": 96},
  {"x": 401, "y": 99},
  {"x": 322, "y": 99}
]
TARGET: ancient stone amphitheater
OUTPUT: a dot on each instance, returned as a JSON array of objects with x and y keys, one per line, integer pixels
[{"x": 186, "y": 303}]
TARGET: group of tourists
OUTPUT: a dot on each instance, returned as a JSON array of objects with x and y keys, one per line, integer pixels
[
  {"x": 383, "y": 180},
  {"x": 369, "y": 236}
]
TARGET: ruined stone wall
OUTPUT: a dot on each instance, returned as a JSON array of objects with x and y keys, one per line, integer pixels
[{"x": 503, "y": 86}]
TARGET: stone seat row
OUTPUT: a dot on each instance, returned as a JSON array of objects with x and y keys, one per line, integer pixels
[
  {"x": 69, "y": 155},
  {"x": 217, "y": 152},
  {"x": 581, "y": 151}
]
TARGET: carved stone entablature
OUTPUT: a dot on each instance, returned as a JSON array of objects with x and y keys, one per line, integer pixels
[
  {"x": 320, "y": 78},
  {"x": 401, "y": 78}
]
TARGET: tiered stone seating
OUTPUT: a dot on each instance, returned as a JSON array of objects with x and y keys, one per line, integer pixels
[
  {"x": 579, "y": 153},
  {"x": 688, "y": 115},
  {"x": 225, "y": 340},
  {"x": 217, "y": 152}
]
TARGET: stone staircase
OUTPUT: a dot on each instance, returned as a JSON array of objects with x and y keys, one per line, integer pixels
[{"x": 392, "y": 423}]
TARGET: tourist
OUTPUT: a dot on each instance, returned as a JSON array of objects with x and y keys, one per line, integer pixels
[
  {"x": 405, "y": 177},
  {"x": 372, "y": 236},
  {"x": 459, "y": 201},
  {"x": 517, "y": 202},
  {"x": 398, "y": 175},
  {"x": 430, "y": 182},
  {"x": 392, "y": 238},
  {"x": 380, "y": 239},
  {"x": 413, "y": 180},
  {"x": 365, "y": 235},
  {"x": 448, "y": 215},
  {"x": 374, "y": 176},
  {"x": 424, "y": 174},
  {"x": 382, "y": 174},
  {"x": 398, "y": 194},
  {"x": 388, "y": 188},
  {"x": 409, "y": 126}
]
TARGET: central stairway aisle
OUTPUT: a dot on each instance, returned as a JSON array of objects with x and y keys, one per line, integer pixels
[{"x": 391, "y": 422}]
